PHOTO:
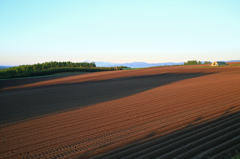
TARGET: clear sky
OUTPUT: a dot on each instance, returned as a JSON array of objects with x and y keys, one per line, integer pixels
[{"x": 36, "y": 31}]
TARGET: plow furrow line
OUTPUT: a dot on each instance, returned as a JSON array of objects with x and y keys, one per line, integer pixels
[
  {"x": 146, "y": 147},
  {"x": 167, "y": 148},
  {"x": 224, "y": 136}
]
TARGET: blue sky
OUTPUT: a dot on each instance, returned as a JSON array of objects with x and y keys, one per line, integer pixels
[{"x": 36, "y": 31}]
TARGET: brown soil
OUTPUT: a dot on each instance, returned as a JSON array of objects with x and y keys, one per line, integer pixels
[
  {"x": 115, "y": 112},
  {"x": 233, "y": 63}
]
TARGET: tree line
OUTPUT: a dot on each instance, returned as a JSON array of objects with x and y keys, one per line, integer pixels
[
  {"x": 195, "y": 62},
  {"x": 52, "y": 67}
]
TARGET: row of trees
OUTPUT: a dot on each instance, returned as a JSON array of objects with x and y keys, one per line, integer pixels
[
  {"x": 48, "y": 68},
  {"x": 207, "y": 62},
  {"x": 195, "y": 62},
  {"x": 47, "y": 65},
  {"x": 55, "y": 70}
]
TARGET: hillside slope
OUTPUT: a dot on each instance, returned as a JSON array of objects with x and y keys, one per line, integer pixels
[{"x": 162, "y": 112}]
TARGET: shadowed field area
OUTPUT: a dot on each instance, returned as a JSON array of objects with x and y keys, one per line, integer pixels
[
  {"x": 28, "y": 80},
  {"x": 20, "y": 104}
]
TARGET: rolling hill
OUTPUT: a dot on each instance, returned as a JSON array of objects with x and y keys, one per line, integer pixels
[{"x": 160, "y": 112}]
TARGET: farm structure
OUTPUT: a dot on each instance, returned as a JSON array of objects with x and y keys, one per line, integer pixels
[
  {"x": 136, "y": 115},
  {"x": 218, "y": 63}
]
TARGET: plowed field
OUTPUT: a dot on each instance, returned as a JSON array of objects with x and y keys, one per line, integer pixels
[{"x": 161, "y": 112}]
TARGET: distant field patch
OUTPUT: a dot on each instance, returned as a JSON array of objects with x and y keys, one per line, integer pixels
[{"x": 132, "y": 68}]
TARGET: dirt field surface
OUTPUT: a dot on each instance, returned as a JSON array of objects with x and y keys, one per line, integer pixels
[{"x": 160, "y": 112}]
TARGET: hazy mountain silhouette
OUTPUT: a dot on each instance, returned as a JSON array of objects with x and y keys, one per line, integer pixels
[{"x": 135, "y": 64}]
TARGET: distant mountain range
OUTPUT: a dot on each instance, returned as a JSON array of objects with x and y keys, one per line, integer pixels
[
  {"x": 135, "y": 64},
  {"x": 4, "y": 67}
]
